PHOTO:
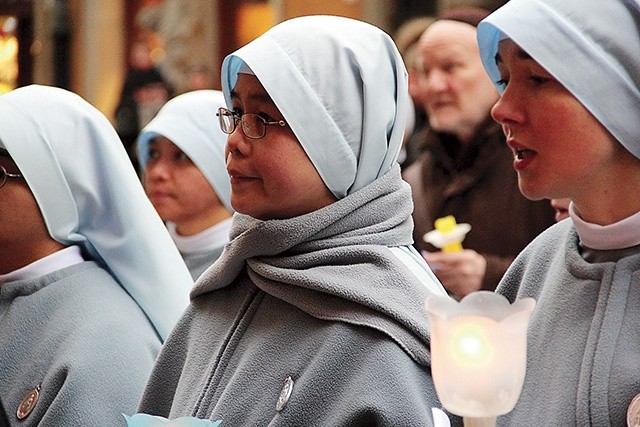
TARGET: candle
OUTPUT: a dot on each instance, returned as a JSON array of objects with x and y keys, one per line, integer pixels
[
  {"x": 478, "y": 352},
  {"x": 448, "y": 235}
]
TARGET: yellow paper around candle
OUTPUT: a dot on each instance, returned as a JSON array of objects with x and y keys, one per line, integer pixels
[{"x": 446, "y": 225}]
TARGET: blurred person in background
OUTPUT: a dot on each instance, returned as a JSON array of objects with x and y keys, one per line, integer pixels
[
  {"x": 465, "y": 168},
  {"x": 406, "y": 38},
  {"x": 144, "y": 92},
  {"x": 561, "y": 208},
  {"x": 182, "y": 160}
]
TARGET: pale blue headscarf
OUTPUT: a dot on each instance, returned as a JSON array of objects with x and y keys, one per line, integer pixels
[
  {"x": 189, "y": 121},
  {"x": 89, "y": 195},
  {"x": 591, "y": 46},
  {"x": 330, "y": 77}
]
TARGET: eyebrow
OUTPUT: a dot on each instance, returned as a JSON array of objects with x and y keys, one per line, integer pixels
[
  {"x": 521, "y": 54},
  {"x": 256, "y": 97}
]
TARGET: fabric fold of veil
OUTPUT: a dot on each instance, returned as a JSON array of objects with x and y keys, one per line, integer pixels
[{"x": 90, "y": 195}]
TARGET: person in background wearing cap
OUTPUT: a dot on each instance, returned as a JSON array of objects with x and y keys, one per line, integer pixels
[
  {"x": 569, "y": 74},
  {"x": 313, "y": 315},
  {"x": 90, "y": 281},
  {"x": 182, "y": 155},
  {"x": 465, "y": 167}
]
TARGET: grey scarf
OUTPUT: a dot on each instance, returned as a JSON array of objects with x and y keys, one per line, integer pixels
[{"x": 334, "y": 263}]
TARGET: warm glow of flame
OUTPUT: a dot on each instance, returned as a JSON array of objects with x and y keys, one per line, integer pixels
[{"x": 471, "y": 346}]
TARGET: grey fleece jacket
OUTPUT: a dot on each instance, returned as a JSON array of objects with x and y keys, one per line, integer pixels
[
  {"x": 318, "y": 302},
  {"x": 79, "y": 337},
  {"x": 583, "y": 364}
]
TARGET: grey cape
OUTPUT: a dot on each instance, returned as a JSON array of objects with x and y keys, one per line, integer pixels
[
  {"x": 77, "y": 336},
  {"x": 583, "y": 367},
  {"x": 309, "y": 321}
]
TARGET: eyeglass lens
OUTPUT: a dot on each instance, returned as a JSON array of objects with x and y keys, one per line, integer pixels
[
  {"x": 4, "y": 175},
  {"x": 227, "y": 120},
  {"x": 253, "y": 125}
]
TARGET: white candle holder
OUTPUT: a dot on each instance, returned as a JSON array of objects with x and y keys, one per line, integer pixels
[{"x": 478, "y": 354}]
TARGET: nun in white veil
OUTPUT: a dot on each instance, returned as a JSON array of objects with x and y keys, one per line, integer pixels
[
  {"x": 81, "y": 320},
  {"x": 569, "y": 76},
  {"x": 313, "y": 313},
  {"x": 182, "y": 157}
]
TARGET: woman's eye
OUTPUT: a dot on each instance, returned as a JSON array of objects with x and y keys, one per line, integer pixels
[
  {"x": 266, "y": 117},
  {"x": 153, "y": 154},
  {"x": 538, "y": 79},
  {"x": 502, "y": 83},
  {"x": 182, "y": 156}
]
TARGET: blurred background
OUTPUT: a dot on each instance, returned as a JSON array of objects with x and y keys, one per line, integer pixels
[{"x": 105, "y": 50}]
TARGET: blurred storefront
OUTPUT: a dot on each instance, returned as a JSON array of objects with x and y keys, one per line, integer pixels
[
  {"x": 16, "y": 35},
  {"x": 88, "y": 46}
]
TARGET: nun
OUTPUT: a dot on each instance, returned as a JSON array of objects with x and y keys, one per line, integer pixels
[
  {"x": 569, "y": 75},
  {"x": 90, "y": 281},
  {"x": 182, "y": 156},
  {"x": 312, "y": 316}
]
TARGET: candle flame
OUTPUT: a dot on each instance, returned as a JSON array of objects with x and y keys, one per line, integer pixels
[{"x": 471, "y": 346}]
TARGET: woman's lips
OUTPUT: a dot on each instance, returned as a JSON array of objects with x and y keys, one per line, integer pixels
[
  {"x": 522, "y": 157},
  {"x": 238, "y": 177},
  {"x": 159, "y": 195}
]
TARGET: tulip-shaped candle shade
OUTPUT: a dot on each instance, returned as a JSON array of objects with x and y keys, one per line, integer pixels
[{"x": 478, "y": 353}]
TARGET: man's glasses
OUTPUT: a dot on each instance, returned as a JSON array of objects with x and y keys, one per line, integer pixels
[
  {"x": 4, "y": 175},
  {"x": 253, "y": 125}
]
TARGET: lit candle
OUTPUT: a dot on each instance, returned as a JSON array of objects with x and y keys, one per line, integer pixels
[{"x": 478, "y": 353}]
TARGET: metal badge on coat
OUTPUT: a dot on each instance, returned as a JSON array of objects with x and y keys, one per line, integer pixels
[
  {"x": 28, "y": 402},
  {"x": 285, "y": 393}
]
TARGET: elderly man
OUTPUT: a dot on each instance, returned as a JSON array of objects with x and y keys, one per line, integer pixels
[{"x": 465, "y": 168}]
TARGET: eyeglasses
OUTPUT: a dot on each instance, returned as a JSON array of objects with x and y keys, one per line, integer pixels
[
  {"x": 253, "y": 125},
  {"x": 4, "y": 175}
]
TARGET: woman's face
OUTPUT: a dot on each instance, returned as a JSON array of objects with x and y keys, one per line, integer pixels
[
  {"x": 560, "y": 149},
  {"x": 23, "y": 233},
  {"x": 178, "y": 190},
  {"x": 271, "y": 177}
]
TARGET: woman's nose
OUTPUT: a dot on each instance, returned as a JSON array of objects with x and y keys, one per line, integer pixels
[
  {"x": 237, "y": 141},
  {"x": 505, "y": 111},
  {"x": 157, "y": 169}
]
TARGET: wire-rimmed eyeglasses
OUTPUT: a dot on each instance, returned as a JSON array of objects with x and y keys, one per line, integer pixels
[
  {"x": 4, "y": 175},
  {"x": 253, "y": 125}
]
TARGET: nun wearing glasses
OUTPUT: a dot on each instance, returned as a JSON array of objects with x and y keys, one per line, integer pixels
[
  {"x": 90, "y": 281},
  {"x": 312, "y": 316}
]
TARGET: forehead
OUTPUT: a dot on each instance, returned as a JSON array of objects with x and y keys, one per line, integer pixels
[
  {"x": 6, "y": 160},
  {"x": 510, "y": 52},
  {"x": 161, "y": 141},
  {"x": 249, "y": 88},
  {"x": 4, "y": 155},
  {"x": 449, "y": 37}
]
